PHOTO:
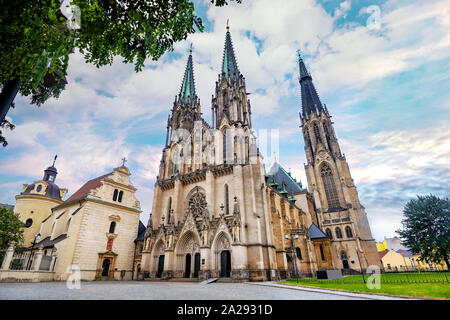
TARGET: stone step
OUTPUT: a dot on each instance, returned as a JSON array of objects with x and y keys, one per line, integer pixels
[
  {"x": 227, "y": 280},
  {"x": 184, "y": 280}
]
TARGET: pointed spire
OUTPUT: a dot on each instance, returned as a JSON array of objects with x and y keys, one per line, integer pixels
[
  {"x": 310, "y": 99},
  {"x": 229, "y": 64},
  {"x": 187, "y": 92}
]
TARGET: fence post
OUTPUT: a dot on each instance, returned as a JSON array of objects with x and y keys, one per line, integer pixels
[{"x": 8, "y": 257}]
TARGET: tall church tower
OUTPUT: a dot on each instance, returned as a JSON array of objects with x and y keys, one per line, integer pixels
[
  {"x": 340, "y": 212},
  {"x": 230, "y": 105}
]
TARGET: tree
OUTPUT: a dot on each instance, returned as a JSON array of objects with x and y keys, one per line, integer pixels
[
  {"x": 11, "y": 229},
  {"x": 36, "y": 39},
  {"x": 426, "y": 228}
]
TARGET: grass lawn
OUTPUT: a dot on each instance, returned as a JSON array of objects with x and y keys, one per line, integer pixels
[{"x": 390, "y": 284}]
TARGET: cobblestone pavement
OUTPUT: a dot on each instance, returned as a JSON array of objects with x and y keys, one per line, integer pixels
[{"x": 135, "y": 290}]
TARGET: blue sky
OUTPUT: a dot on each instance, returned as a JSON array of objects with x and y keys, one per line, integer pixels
[{"x": 385, "y": 86}]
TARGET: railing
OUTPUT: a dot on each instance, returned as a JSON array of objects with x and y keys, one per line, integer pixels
[
  {"x": 410, "y": 277},
  {"x": 21, "y": 261}
]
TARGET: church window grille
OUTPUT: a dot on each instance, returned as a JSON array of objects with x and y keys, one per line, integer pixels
[
  {"x": 120, "y": 196},
  {"x": 115, "y": 194},
  {"x": 348, "y": 232},
  {"x": 227, "y": 205},
  {"x": 322, "y": 254},
  {"x": 112, "y": 227},
  {"x": 329, "y": 234},
  {"x": 299, "y": 253},
  {"x": 338, "y": 233},
  {"x": 329, "y": 186}
]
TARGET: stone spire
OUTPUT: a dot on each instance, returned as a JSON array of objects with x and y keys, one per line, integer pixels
[
  {"x": 310, "y": 99},
  {"x": 187, "y": 91},
  {"x": 229, "y": 64}
]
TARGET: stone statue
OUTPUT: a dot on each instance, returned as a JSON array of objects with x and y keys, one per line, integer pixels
[
  {"x": 205, "y": 234},
  {"x": 236, "y": 232}
]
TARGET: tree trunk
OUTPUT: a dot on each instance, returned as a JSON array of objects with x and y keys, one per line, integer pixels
[
  {"x": 447, "y": 262},
  {"x": 7, "y": 96}
]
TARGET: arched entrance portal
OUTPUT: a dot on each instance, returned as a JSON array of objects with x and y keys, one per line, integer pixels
[
  {"x": 187, "y": 272},
  {"x": 105, "y": 267},
  {"x": 196, "y": 264},
  {"x": 160, "y": 266},
  {"x": 187, "y": 256},
  {"x": 225, "y": 264}
]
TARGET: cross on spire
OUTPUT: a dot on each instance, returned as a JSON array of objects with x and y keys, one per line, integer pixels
[
  {"x": 54, "y": 160},
  {"x": 123, "y": 161}
]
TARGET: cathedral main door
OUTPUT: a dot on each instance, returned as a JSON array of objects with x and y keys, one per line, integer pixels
[
  {"x": 225, "y": 264},
  {"x": 160, "y": 266},
  {"x": 187, "y": 273},
  {"x": 196, "y": 264}
]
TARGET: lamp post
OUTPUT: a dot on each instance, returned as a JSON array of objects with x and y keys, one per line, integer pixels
[
  {"x": 32, "y": 247},
  {"x": 294, "y": 256}
]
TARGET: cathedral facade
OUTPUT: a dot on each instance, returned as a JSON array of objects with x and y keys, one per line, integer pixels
[{"x": 216, "y": 211}]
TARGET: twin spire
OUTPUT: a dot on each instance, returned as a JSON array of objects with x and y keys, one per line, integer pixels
[
  {"x": 229, "y": 64},
  {"x": 229, "y": 68},
  {"x": 310, "y": 99},
  {"x": 187, "y": 92}
]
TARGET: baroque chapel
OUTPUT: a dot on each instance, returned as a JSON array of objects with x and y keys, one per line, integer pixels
[{"x": 217, "y": 213}]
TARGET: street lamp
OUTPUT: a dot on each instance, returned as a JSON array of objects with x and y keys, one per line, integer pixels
[
  {"x": 31, "y": 254},
  {"x": 294, "y": 256}
]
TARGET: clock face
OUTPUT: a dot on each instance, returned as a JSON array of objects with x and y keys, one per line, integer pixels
[{"x": 51, "y": 178}]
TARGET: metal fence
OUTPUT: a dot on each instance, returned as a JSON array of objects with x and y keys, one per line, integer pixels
[{"x": 389, "y": 277}]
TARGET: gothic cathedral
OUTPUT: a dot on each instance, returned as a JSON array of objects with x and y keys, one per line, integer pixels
[{"x": 217, "y": 213}]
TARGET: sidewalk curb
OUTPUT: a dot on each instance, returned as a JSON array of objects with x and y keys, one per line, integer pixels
[{"x": 353, "y": 294}]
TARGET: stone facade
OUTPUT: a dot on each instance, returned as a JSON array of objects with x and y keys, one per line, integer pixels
[
  {"x": 93, "y": 232},
  {"x": 336, "y": 200},
  {"x": 35, "y": 202},
  {"x": 214, "y": 214}
]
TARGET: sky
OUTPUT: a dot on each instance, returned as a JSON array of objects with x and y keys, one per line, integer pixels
[{"x": 381, "y": 67}]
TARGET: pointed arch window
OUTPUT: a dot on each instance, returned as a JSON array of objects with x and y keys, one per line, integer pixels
[
  {"x": 338, "y": 233},
  {"x": 329, "y": 234},
  {"x": 227, "y": 205},
  {"x": 329, "y": 186},
  {"x": 175, "y": 160},
  {"x": 348, "y": 232},
  {"x": 317, "y": 132},
  {"x": 224, "y": 146},
  {"x": 169, "y": 210},
  {"x": 112, "y": 227}
]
